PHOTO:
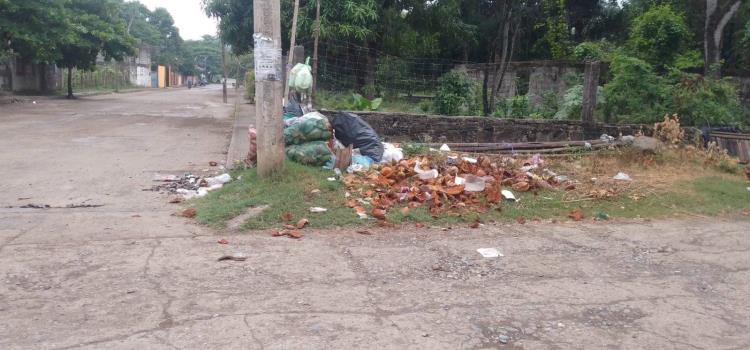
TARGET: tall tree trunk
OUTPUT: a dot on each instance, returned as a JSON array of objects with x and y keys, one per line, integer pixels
[
  {"x": 505, "y": 43},
  {"x": 485, "y": 95},
  {"x": 70, "y": 82},
  {"x": 718, "y": 14},
  {"x": 11, "y": 68}
]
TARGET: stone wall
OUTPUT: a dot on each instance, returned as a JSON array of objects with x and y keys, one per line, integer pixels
[
  {"x": 4, "y": 82},
  {"x": 400, "y": 127},
  {"x": 542, "y": 77},
  {"x": 743, "y": 86}
]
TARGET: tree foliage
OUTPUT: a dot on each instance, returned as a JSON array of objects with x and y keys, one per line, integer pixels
[
  {"x": 95, "y": 29},
  {"x": 29, "y": 27},
  {"x": 235, "y": 22},
  {"x": 202, "y": 57},
  {"x": 658, "y": 36},
  {"x": 455, "y": 94},
  {"x": 556, "y": 35}
]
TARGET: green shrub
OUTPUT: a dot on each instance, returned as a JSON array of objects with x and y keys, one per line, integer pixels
[
  {"x": 513, "y": 107},
  {"x": 658, "y": 36},
  {"x": 390, "y": 77},
  {"x": 360, "y": 103},
  {"x": 593, "y": 51},
  {"x": 635, "y": 93},
  {"x": 370, "y": 91},
  {"x": 250, "y": 85},
  {"x": 572, "y": 102},
  {"x": 455, "y": 94},
  {"x": 638, "y": 95},
  {"x": 331, "y": 100},
  {"x": 425, "y": 106},
  {"x": 703, "y": 101},
  {"x": 548, "y": 105},
  {"x": 691, "y": 59}
]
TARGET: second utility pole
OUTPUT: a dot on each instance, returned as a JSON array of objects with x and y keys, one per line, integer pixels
[{"x": 224, "y": 68}]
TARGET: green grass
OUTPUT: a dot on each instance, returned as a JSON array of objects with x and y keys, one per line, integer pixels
[{"x": 290, "y": 191}]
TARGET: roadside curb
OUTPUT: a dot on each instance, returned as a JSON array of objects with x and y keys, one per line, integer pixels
[
  {"x": 99, "y": 93},
  {"x": 244, "y": 116}
]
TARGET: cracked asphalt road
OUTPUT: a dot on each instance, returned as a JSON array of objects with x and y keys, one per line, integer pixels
[{"x": 128, "y": 275}]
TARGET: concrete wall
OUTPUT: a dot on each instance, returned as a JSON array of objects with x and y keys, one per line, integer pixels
[
  {"x": 543, "y": 77},
  {"x": 139, "y": 67},
  {"x": 400, "y": 127},
  {"x": 4, "y": 83},
  {"x": 29, "y": 77},
  {"x": 743, "y": 84},
  {"x": 549, "y": 79}
]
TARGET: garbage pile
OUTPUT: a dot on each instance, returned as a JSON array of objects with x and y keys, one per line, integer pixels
[
  {"x": 307, "y": 139},
  {"x": 189, "y": 186},
  {"x": 312, "y": 140},
  {"x": 448, "y": 185}
]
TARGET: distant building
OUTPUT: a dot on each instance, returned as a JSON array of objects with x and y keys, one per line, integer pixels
[{"x": 139, "y": 67}]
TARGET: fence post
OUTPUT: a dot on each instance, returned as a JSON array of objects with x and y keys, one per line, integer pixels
[
  {"x": 590, "y": 87},
  {"x": 316, "y": 33},
  {"x": 298, "y": 56}
]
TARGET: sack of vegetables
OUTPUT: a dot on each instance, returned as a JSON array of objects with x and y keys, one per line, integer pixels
[
  {"x": 315, "y": 153},
  {"x": 310, "y": 127}
]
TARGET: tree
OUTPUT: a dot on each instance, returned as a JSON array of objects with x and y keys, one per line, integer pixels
[
  {"x": 718, "y": 14},
  {"x": 139, "y": 21},
  {"x": 658, "y": 36},
  {"x": 169, "y": 41},
  {"x": 97, "y": 29},
  {"x": 201, "y": 57},
  {"x": 235, "y": 22},
  {"x": 29, "y": 29},
  {"x": 504, "y": 24},
  {"x": 556, "y": 28}
]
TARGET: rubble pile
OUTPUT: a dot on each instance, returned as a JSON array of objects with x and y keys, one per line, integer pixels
[{"x": 448, "y": 185}]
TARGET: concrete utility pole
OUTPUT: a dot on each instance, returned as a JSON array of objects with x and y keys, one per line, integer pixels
[
  {"x": 590, "y": 87},
  {"x": 224, "y": 68},
  {"x": 268, "y": 77}
]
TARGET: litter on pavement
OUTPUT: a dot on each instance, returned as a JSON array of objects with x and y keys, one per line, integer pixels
[
  {"x": 233, "y": 257},
  {"x": 189, "y": 186},
  {"x": 489, "y": 252}
]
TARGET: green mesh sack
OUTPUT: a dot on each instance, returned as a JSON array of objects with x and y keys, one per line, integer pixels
[
  {"x": 310, "y": 127},
  {"x": 315, "y": 153}
]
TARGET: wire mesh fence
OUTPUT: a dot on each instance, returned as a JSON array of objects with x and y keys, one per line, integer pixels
[
  {"x": 345, "y": 66},
  {"x": 104, "y": 77}
]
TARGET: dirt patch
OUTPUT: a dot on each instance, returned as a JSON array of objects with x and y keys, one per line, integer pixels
[{"x": 236, "y": 222}]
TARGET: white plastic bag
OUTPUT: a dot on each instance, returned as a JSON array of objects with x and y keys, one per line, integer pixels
[
  {"x": 391, "y": 153},
  {"x": 300, "y": 77}
]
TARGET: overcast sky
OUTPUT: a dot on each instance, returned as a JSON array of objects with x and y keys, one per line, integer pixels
[{"x": 188, "y": 17}]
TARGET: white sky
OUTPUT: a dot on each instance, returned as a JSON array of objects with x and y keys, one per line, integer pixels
[{"x": 188, "y": 17}]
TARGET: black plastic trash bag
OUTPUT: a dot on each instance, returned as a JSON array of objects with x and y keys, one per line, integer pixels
[
  {"x": 352, "y": 130},
  {"x": 293, "y": 108}
]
